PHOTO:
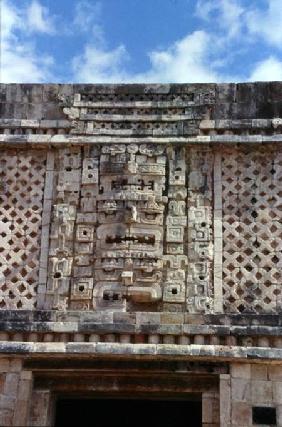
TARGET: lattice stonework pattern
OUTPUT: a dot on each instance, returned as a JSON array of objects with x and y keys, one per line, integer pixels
[
  {"x": 21, "y": 192},
  {"x": 252, "y": 230}
]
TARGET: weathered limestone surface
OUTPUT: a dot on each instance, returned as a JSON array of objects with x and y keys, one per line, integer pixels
[
  {"x": 141, "y": 224},
  {"x": 247, "y": 386}
]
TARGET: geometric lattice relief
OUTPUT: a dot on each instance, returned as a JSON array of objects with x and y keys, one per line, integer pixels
[
  {"x": 252, "y": 230},
  {"x": 21, "y": 193}
]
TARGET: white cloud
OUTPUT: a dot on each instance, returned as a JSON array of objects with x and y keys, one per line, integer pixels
[
  {"x": 38, "y": 19},
  {"x": 98, "y": 65},
  {"x": 20, "y": 63},
  {"x": 243, "y": 21},
  {"x": 87, "y": 15},
  {"x": 204, "y": 9},
  {"x": 199, "y": 56},
  {"x": 10, "y": 19},
  {"x": 267, "y": 70},
  {"x": 267, "y": 24},
  {"x": 186, "y": 60},
  {"x": 227, "y": 14}
]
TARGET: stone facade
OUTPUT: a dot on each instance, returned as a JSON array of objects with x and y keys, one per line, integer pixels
[{"x": 141, "y": 223}]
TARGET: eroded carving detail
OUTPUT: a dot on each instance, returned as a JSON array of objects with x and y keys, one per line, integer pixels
[
  {"x": 130, "y": 206},
  {"x": 176, "y": 230},
  {"x": 199, "y": 294}
]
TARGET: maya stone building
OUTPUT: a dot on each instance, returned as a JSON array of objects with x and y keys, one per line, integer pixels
[{"x": 141, "y": 255}]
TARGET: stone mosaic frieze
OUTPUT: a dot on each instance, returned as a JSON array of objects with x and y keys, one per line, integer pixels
[
  {"x": 141, "y": 198},
  {"x": 131, "y": 229}
]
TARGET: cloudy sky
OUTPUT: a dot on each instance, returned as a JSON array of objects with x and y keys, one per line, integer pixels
[{"x": 99, "y": 41}]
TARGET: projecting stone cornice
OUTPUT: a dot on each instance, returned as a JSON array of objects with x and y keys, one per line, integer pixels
[
  {"x": 144, "y": 351},
  {"x": 61, "y": 140}
]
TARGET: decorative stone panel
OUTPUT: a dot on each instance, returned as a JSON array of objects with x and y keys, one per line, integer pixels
[
  {"x": 124, "y": 224},
  {"x": 145, "y": 208},
  {"x": 252, "y": 229},
  {"x": 22, "y": 175},
  {"x": 200, "y": 231}
]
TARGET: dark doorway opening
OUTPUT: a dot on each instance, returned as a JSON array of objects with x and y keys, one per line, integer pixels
[{"x": 128, "y": 412}]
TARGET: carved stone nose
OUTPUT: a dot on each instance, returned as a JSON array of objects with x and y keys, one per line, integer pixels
[{"x": 133, "y": 214}]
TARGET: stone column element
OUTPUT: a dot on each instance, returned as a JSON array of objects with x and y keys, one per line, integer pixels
[
  {"x": 200, "y": 292},
  {"x": 40, "y": 411},
  {"x": 217, "y": 230},
  {"x": 16, "y": 386},
  {"x": 45, "y": 231},
  {"x": 225, "y": 400}
]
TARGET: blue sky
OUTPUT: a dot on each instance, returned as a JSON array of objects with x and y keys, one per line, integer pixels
[{"x": 100, "y": 41}]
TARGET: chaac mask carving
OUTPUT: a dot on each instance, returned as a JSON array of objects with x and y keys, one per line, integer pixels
[
  {"x": 120, "y": 238},
  {"x": 114, "y": 215},
  {"x": 132, "y": 222},
  {"x": 130, "y": 212}
]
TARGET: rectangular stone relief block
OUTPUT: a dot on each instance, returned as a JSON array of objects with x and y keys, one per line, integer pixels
[
  {"x": 84, "y": 233},
  {"x": 80, "y": 271},
  {"x": 175, "y": 234},
  {"x": 176, "y": 221},
  {"x": 87, "y": 218},
  {"x": 174, "y": 248},
  {"x": 83, "y": 260},
  {"x": 59, "y": 286},
  {"x": 174, "y": 292},
  {"x": 198, "y": 233},
  {"x": 82, "y": 289},
  {"x": 90, "y": 171}
]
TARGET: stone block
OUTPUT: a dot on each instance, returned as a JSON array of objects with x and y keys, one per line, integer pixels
[
  {"x": 275, "y": 373},
  {"x": 240, "y": 390},
  {"x": 241, "y": 414},
  {"x": 210, "y": 409},
  {"x": 26, "y": 375},
  {"x": 172, "y": 318},
  {"x": 4, "y": 365},
  {"x": 7, "y": 402},
  {"x": 39, "y": 408},
  {"x": 11, "y": 384},
  {"x": 261, "y": 392},
  {"x": 277, "y": 392},
  {"x": 16, "y": 365},
  {"x": 225, "y": 399},
  {"x": 6, "y": 417},
  {"x": 241, "y": 370},
  {"x": 148, "y": 318},
  {"x": 259, "y": 372},
  {"x": 279, "y": 415}
]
